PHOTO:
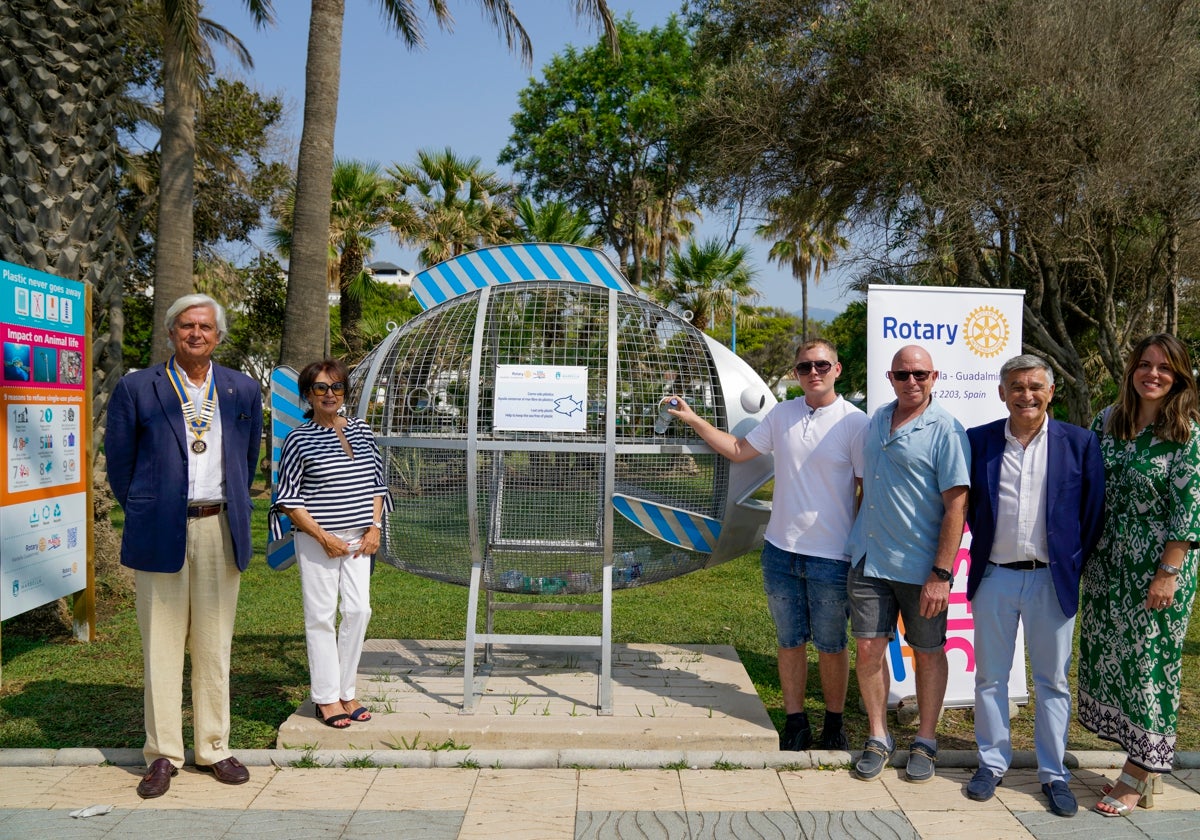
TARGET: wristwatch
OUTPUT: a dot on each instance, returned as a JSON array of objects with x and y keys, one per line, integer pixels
[
  {"x": 944, "y": 575},
  {"x": 377, "y": 524}
]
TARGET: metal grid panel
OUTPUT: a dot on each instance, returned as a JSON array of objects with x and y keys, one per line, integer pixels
[
  {"x": 427, "y": 373},
  {"x": 428, "y": 529},
  {"x": 540, "y": 495},
  {"x": 659, "y": 354}
]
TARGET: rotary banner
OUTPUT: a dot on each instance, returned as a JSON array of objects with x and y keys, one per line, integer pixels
[{"x": 969, "y": 333}]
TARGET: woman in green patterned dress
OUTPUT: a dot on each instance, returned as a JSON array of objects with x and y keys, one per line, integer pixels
[{"x": 1138, "y": 586}]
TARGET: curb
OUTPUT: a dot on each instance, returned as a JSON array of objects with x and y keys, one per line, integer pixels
[{"x": 579, "y": 759}]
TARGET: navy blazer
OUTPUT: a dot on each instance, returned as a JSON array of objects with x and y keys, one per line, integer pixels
[
  {"x": 145, "y": 446},
  {"x": 1074, "y": 502}
]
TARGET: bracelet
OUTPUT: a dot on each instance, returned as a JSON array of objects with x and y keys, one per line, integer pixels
[
  {"x": 1168, "y": 569},
  {"x": 944, "y": 575}
]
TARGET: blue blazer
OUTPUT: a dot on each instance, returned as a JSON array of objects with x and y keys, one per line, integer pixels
[
  {"x": 1074, "y": 502},
  {"x": 144, "y": 444}
]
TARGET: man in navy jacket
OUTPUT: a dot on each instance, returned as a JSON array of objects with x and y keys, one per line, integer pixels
[
  {"x": 1035, "y": 509},
  {"x": 182, "y": 444}
]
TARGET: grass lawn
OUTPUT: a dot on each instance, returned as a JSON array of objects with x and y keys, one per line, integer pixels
[{"x": 59, "y": 693}]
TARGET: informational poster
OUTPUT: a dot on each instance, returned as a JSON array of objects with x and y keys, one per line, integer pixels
[
  {"x": 43, "y": 498},
  {"x": 969, "y": 334},
  {"x": 530, "y": 398}
]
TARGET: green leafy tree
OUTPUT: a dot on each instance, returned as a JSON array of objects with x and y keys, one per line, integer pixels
[
  {"x": 848, "y": 332},
  {"x": 603, "y": 133},
  {"x": 307, "y": 308},
  {"x": 703, "y": 279},
  {"x": 804, "y": 238},
  {"x": 186, "y": 39},
  {"x": 767, "y": 343},
  {"x": 554, "y": 221},
  {"x": 360, "y": 209},
  {"x": 447, "y": 205},
  {"x": 987, "y": 153},
  {"x": 241, "y": 178}
]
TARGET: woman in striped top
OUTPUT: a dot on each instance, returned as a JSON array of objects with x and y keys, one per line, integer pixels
[{"x": 331, "y": 487}]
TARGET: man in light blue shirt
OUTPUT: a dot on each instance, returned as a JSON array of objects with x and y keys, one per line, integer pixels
[{"x": 902, "y": 549}]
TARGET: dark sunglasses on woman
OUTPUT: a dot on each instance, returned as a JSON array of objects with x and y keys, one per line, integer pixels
[{"x": 322, "y": 388}]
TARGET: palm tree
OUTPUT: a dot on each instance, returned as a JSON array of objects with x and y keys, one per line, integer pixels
[
  {"x": 58, "y": 157},
  {"x": 449, "y": 205},
  {"x": 306, "y": 305},
  {"x": 361, "y": 207},
  {"x": 805, "y": 238},
  {"x": 187, "y": 59},
  {"x": 704, "y": 278},
  {"x": 669, "y": 222},
  {"x": 554, "y": 221}
]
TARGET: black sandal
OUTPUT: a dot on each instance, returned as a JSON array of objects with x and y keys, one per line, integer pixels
[{"x": 333, "y": 720}]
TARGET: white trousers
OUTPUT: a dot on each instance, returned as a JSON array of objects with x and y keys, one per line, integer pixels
[
  {"x": 334, "y": 649},
  {"x": 193, "y": 610}
]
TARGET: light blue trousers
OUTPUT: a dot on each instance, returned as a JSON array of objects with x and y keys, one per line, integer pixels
[{"x": 1003, "y": 598}]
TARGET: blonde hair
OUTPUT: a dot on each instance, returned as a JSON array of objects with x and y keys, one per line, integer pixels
[{"x": 1182, "y": 405}]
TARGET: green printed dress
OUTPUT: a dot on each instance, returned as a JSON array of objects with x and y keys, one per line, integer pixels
[{"x": 1130, "y": 658}]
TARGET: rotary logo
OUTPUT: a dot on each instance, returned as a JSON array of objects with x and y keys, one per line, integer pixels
[{"x": 986, "y": 332}]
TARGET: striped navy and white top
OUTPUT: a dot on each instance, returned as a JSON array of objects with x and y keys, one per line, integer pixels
[{"x": 316, "y": 474}]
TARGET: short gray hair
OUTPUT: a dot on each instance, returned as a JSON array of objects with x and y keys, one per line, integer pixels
[
  {"x": 190, "y": 302},
  {"x": 1026, "y": 361}
]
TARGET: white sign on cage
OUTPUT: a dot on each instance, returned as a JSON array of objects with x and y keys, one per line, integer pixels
[{"x": 540, "y": 398}]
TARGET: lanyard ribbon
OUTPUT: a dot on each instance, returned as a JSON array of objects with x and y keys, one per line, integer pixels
[{"x": 199, "y": 421}]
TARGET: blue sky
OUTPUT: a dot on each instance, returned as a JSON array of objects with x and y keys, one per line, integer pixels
[{"x": 460, "y": 91}]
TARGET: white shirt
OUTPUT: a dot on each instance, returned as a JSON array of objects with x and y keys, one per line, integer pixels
[
  {"x": 1021, "y": 504},
  {"x": 815, "y": 468},
  {"x": 206, "y": 470}
]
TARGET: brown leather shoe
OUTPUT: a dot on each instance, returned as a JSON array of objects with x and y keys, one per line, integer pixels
[
  {"x": 230, "y": 771},
  {"x": 157, "y": 780}
]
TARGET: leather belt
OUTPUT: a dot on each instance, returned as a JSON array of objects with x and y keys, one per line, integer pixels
[
  {"x": 198, "y": 511},
  {"x": 1023, "y": 565}
]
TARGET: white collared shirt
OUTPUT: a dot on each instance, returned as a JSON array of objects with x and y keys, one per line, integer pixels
[
  {"x": 206, "y": 473},
  {"x": 1021, "y": 503}
]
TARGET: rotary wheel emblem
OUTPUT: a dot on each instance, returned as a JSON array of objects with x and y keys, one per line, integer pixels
[{"x": 986, "y": 332}]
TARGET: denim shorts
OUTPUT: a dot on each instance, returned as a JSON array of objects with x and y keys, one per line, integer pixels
[
  {"x": 807, "y": 599},
  {"x": 876, "y": 602}
]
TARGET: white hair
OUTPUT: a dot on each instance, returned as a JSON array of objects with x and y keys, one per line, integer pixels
[{"x": 190, "y": 302}]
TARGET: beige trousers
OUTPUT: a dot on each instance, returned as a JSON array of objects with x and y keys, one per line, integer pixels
[{"x": 193, "y": 610}]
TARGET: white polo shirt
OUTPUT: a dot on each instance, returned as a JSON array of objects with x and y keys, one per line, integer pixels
[{"x": 815, "y": 467}]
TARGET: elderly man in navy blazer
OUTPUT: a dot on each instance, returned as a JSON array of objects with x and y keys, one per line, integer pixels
[
  {"x": 1035, "y": 509},
  {"x": 182, "y": 444}
]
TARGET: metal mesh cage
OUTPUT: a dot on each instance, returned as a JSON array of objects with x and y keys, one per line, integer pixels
[{"x": 534, "y": 507}]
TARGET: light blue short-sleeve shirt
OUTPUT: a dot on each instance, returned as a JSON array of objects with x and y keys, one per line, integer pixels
[{"x": 904, "y": 476}]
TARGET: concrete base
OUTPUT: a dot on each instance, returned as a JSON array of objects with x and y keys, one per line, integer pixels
[{"x": 665, "y": 697}]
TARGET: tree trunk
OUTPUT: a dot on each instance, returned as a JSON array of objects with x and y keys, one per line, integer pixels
[
  {"x": 350, "y": 307},
  {"x": 803, "y": 310},
  {"x": 58, "y": 152},
  {"x": 306, "y": 321},
  {"x": 174, "y": 246}
]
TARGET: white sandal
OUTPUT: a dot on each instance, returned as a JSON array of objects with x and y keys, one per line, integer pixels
[{"x": 1143, "y": 787}]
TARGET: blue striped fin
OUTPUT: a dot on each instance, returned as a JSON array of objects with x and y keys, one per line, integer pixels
[
  {"x": 514, "y": 263},
  {"x": 678, "y": 527},
  {"x": 287, "y": 413}
]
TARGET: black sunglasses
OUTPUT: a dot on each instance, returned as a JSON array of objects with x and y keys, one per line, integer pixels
[
  {"x": 902, "y": 375},
  {"x": 821, "y": 366},
  {"x": 322, "y": 388}
]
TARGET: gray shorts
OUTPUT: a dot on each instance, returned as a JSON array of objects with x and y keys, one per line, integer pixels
[{"x": 875, "y": 604}]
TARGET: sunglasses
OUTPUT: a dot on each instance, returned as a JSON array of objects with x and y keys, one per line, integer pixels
[
  {"x": 805, "y": 368},
  {"x": 902, "y": 375},
  {"x": 322, "y": 388}
]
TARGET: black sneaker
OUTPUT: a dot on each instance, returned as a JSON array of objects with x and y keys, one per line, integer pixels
[
  {"x": 835, "y": 740},
  {"x": 796, "y": 737}
]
